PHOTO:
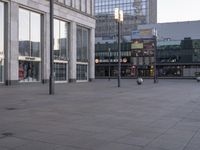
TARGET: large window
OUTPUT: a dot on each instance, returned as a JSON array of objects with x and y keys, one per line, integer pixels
[
  {"x": 29, "y": 33},
  {"x": 1, "y": 42},
  {"x": 29, "y": 45},
  {"x": 82, "y": 44},
  {"x": 82, "y": 53},
  {"x": 60, "y": 49}
]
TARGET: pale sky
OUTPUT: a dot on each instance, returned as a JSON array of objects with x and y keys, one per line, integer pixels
[{"x": 178, "y": 10}]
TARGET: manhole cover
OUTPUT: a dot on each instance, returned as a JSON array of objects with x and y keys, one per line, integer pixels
[
  {"x": 7, "y": 134},
  {"x": 11, "y": 108}
]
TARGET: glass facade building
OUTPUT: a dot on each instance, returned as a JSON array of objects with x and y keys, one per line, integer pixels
[
  {"x": 25, "y": 41},
  {"x": 136, "y": 12},
  {"x": 179, "y": 58}
]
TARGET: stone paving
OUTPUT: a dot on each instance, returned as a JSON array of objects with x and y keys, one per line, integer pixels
[{"x": 101, "y": 116}]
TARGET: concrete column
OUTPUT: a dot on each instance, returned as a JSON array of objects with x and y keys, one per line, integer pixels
[
  {"x": 12, "y": 45},
  {"x": 45, "y": 69},
  {"x": 72, "y": 52},
  {"x": 73, "y": 3},
  {"x": 92, "y": 7},
  {"x": 92, "y": 55}
]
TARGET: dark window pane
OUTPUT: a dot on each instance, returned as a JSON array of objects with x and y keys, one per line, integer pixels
[
  {"x": 60, "y": 71},
  {"x": 82, "y": 72}
]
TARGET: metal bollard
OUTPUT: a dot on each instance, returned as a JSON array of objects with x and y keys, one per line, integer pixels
[{"x": 139, "y": 81}]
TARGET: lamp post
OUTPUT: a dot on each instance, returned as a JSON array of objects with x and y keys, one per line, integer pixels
[
  {"x": 51, "y": 77},
  {"x": 109, "y": 64},
  {"x": 155, "y": 53},
  {"x": 119, "y": 19}
]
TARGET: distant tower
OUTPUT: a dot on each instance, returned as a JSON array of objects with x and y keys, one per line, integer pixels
[{"x": 152, "y": 11}]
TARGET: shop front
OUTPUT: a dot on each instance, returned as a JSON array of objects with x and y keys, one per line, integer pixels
[
  {"x": 29, "y": 69},
  {"x": 29, "y": 66}
]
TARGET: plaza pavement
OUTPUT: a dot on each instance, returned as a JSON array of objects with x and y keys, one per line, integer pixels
[{"x": 100, "y": 116}]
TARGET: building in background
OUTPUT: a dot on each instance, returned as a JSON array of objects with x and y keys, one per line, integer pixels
[
  {"x": 136, "y": 12},
  {"x": 178, "y": 49},
  {"x": 24, "y": 41}
]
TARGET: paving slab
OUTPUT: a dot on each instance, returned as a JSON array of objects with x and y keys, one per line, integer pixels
[{"x": 100, "y": 116}]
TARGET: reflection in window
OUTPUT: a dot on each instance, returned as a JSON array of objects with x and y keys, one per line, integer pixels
[
  {"x": 82, "y": 44},
  {"x": 24, "y": 36},
  {"x": 29, "y": 45},
  {"x": 60, "y": 49},
  {"x": 135, "y": 12},
  {"x": 1, "y": 41},
  {"x": 60, "y": 40},
  {"x": 35, "y": 34},
  {"x": 29, "y": 33}
]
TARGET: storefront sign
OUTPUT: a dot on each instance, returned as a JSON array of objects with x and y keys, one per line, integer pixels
[
  {"x": 28, "y": 58},
  {"x": 137, "y": 44},
  {"x": 142, "y": 34}
]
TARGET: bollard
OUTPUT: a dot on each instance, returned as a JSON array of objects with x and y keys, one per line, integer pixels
[
  {"x": 198, "y": 79},
  {"x": 139, "y": 81}
]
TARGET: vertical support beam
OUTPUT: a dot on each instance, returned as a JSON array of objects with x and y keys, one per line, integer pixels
[
  {"x": 92, "y": 7},
  {"x": 119, "y": 54},
  {"x": 12, "y": 44},
  {"x": 92, "y": 55},
  {"x": 51, "y": 77},
  {"x": 72, "y": 52},
  {"x": 155, "y": 53},
  {"x": 46, "y": 48},
  {"x": 109, "y": 64}
]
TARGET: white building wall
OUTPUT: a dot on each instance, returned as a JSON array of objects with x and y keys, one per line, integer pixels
[{"x": 42, "y": 7}]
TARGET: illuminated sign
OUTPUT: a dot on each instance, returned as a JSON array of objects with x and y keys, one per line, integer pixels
[
  {"x": 28, "y": 58},
  {"x": 137, "y": 44}
]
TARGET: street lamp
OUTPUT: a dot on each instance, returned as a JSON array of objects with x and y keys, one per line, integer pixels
[
  {"x": 119, "y": 19},
  {"x": 51, "y": 77},
  {"x": 155, "y": 53},
  {"x": 109, "y": 64}
]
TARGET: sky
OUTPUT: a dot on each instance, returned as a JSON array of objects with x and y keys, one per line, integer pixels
[{"x": 178, "y": 10}]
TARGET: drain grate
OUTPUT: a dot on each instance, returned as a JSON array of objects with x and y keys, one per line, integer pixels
[
  {"x": 7, "y": 134},
  {"x": 11, "y": 108}
]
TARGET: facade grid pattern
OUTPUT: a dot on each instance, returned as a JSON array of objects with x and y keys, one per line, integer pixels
[{"x": 135, "y": 12}]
